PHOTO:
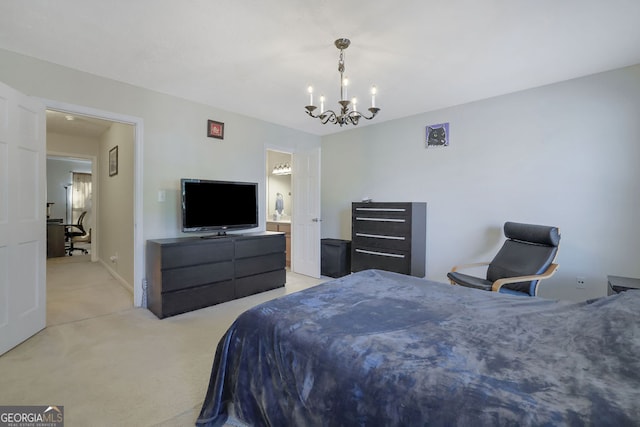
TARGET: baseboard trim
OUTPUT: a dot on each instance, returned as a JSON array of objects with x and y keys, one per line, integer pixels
[{"x": 117, "y": 276}]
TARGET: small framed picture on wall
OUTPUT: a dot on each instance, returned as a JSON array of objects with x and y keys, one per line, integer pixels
[
  {"x": 113, "y": 161},
  {"x": 215, "y": 129},
  {"x": 437, "y": 135}
]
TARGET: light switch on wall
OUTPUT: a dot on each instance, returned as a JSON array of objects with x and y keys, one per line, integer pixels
[{"x": 162, "y": 195}]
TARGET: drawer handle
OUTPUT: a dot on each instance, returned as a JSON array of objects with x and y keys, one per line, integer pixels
[
  {"x": 362, "y": 251},
  {"x": 380, "y": 219},
  {"x": 378, "y": 236},
  {"x": 382, "y": 209}
]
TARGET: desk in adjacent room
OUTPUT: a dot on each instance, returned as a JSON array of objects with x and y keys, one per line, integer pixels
[{"x": 55, "y": 238}]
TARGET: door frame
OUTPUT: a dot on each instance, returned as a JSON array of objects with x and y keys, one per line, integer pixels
[{"x": 137, "y": 123}]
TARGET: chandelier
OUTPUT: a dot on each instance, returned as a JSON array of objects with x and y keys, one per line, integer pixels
[{"x": 348, "y": 113}]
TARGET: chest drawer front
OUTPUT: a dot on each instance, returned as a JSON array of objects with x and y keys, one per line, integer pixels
[
  {"x": 377, "y": 240},
  {"x": 394, "y": 211},
  {"x": 255, "y": 247},
  {"x": 366, "y": 258},
  {"x": 385, "y": 226},
  {"x": 179, "y": 256},
  {"x": 187, "y": 277}
]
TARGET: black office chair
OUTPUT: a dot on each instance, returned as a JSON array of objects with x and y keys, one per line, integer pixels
[
  {"x": 73, "y": 232},
  {"x": 526, "y": 257}
]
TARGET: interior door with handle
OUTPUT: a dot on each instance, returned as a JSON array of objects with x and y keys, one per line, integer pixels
[
  {"x": 22, "y": 217},
  {"x": 306, "y": 218}
]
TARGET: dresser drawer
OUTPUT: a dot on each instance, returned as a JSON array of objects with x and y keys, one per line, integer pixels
[
  {"x": 260, "y": 264},
  {"x": 381, "y": 241},
  {"x": 255, "y": 247},
  {"x": 187, "y": 277},
  {"x": 383, "y": 226},
  {"x": 395, "y": 210},
  {"x": 364, "y": 258},
  {"x": 260, "y": 282},
  {"x": 195, "y": 298},
  {"x": 197, "y": 253}
]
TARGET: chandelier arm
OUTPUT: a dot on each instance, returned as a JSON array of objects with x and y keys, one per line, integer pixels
[
  {"x": 325, "y": 117},
  {"x": 373, "y": 112},
  {"x": 358, "y": 114},
  {"x": 328, "y": 116}
]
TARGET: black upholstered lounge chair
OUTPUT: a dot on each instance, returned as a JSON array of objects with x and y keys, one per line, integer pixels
[{"x": 526, "y": 257}]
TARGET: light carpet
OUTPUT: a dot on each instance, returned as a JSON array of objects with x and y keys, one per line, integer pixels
[{"x": 109, "y": 363}]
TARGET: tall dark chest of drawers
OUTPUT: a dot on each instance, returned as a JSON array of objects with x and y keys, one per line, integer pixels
[
  {"x": 185, "y": 274},
  {"x": 389, "y": 236}
]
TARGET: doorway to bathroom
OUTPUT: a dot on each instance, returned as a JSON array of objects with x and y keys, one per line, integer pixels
[{"x": 279, "y": 199}]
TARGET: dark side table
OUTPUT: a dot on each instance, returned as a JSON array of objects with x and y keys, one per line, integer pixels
[{"x": 619, "y": 284}]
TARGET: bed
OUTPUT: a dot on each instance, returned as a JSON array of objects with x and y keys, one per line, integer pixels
[{"x": 380, "y": 348}]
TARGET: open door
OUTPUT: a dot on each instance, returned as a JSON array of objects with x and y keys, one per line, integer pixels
[
  {"x": 22, "y": 217},
  {"x": 306, "y": 212}
]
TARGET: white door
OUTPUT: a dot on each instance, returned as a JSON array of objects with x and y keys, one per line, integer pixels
[
  {"x": 305, "y": 238},
  {"x": 22, "y": 218}
]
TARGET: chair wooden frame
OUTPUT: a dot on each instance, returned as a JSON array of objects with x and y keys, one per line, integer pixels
[{"x": 550, "y": 271}]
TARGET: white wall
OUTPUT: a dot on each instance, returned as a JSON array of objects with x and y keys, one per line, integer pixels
[
  {"x": 115, "y": 216},
  {"x": 72, "y": 144},
  {"x": 566, "y": 154}
]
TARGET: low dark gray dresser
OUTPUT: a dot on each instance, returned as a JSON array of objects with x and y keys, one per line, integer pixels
[{"x": 185, "y": 274}]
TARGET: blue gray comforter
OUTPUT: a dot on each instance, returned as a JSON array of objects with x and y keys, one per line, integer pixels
[{"x": 377, "y": 348}]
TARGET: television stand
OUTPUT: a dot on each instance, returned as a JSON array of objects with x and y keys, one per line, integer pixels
[{"x": 188, "y": 273}]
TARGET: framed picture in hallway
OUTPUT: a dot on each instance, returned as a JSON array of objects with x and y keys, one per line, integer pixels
[{"x": 113, "y": 161}]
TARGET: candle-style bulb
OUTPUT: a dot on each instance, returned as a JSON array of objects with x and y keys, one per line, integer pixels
[
  {"x": 310, "y": 90},
  {"x": 321, "y": 104},
  {"x": 374, "y": 90}
]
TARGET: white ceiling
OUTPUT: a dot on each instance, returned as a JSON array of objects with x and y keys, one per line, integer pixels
[
  {"x": 77, "y": 125},
  {"x": 258, "y": 57}
]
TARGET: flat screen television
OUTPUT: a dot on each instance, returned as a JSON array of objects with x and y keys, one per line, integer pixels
[{"x": 218, "y": 205}]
